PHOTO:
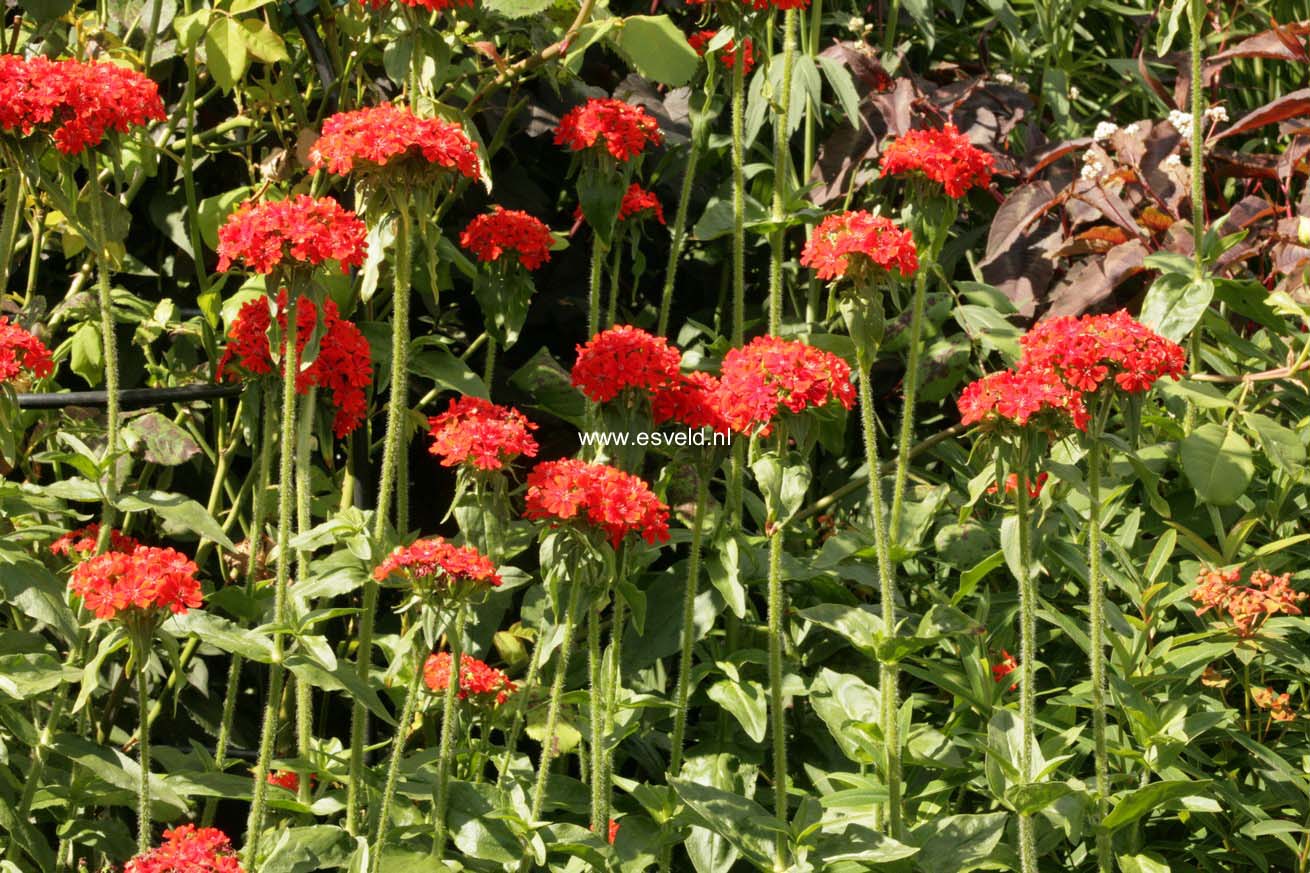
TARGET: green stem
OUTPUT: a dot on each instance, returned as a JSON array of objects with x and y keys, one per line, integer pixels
[
  {"x": 616, "y": 261},
  {"x": 109, "y": 339},
  {"x": 139, "y": 656},
  {"x": 596, "y": 710},
  {"x": 412, "y": 693},
  {"x": 446, "y": 748},
  {"x": 1027, "y": 659},
  {"x": 520, "y": 710},
  {"x": 552, "y": 710},
  {"x": 396, "y": 409},
  {"x": 781, "y": 161},
  {"x": 889, "y": 30},
  {"x": 1197, "y": 18},
  {"x": 256, "y": 540},
  {"x": 678, "y": 236},
  {"x": 13, "y": 189},
  {"x": 148, "y": 52},
  {"x": 779, "y": 729},
  {"x": 490, "y": 365},
  {"x": 889, "y": 673},
  {"x": 1096, "y": 635},
  {"x": 912, "y": 367},
  {"x": 737, "y": 468},
  {"x": 304, "y": 521},
  {"x": 594, "y": 282},
  {"x": 285, "y": 511}
]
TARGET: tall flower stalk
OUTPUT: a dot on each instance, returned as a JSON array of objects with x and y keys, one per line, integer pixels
[{"x": 781, "y": 170}]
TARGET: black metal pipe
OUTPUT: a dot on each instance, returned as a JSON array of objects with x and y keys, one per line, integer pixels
[{"x": 130, "y": 398}]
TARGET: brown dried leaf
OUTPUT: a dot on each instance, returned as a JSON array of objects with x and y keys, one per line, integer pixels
[{"x": 1287, "y": 106}]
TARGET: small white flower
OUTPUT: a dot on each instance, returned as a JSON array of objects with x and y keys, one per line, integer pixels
[
  {"x": 1216, "y": 114},
  {"x": 1004, "y": 78},
  {"x": 1105, "y": 130},
  {"x": 1136, "y": 128},
  {"x": 856, "y": 24},
  {"x": 1173, "y": 162},
  {"x": 1182, "y": 122},
  {"x": 1092, "y": 169},
  {"x": 1074, "y": 93}
]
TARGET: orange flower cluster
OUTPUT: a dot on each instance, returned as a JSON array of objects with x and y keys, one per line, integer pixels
[
  {"x": 943, "y": 155},
  {"x": 78, "y": 544},
  {"x": 847, "y": 245},
  {"x": 300, "y": 231},
  {"x": 616, "y": 502},
  {"x": 1279, "y": 705},
  {"x": 392, "y": 138},
  {"x": 478, "y": 680},
  {"x": 728, "y": 52},
  {"x": 624, "y": 357},
  {"x": 619, "y": 128},
  {"x": 1246, "y": 606},
  {"x": 188, "y": 849},
  {"x": 494, "y": 234},
  {"x": 770, "y": 374},
  {"x": 1004, "y": 667},
  {"x": 434, "y": 558},
  {"x": 20, "y": 350},
  {"x": 145, "y": 580},
  {"x": 481, "y": 433}
]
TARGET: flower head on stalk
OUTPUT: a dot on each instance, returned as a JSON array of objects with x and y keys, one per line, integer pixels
[
  {"x": 942, "y": 155},
  {"x": 1095, "y": 351},
  {"x": 1020, "y": 398},
  {"x": 1246, "y": 606},
  {"x": 343, "y": 367},
  {"x": 301, "y": 231},
  {"x": 76, "y": 102},
  {"x": 138, "y": 587},
  {"x": 621, "y": 358},
  {"x": 19, "y": 351},
  {"x": 1279, "y": 705},
  {"x": 78, "y": 545},
  {"x": 691, "y": 400},
  {"x": 479, "y": 682},
  {"x": 439, "y": 572},
  {"x": 610, "y": 126},
  {"x": 855, "y": 245},
  {"x": 727, "y": 53},
  {"x": 494, "y": 235},
  {"x": 765, "y": 5},
  {"x": 429, "y": 5},
  {"x": 604, "y": 497},
  {"x": 771, "y": 375},
  {"x": 640, "y": 203},
  {"x": 389, "y": 144},
  {"x": 288, "y": 779},
  {"x": 188, "y": 849},
  {"x": 480, "y": 434}
]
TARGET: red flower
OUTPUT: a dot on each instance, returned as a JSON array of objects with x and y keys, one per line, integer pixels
[
  {"x": 436, "y": 561},
  {"x": 728, "y": 52},
  {"x": 146, "y": 578},
  {"x": 624, "y": 357},
  {"x": 620, "y": 128},
  {"x": 20, "y": 350},
  {"x": 1015, "y": 397},
  {"x": 392, "y": 138},
  {"x": 81, "y": 100},
  {"x": 1005, "y": 667},
  {"x": 616, "y": 502},
  {"x": 613, "y": 831},
  {"x": 1012, "y": 485},
  {"x": 491, "y": 235},
  {"x": 764, "y": 5},
  {"x": 294, "y": 232},
  {"x": 477, "y": 680},
  {"x": 1087, "y": 351},
  {"x": 430, "y": 5},
  {"x": 690, "y": 400},
  {"x": 188, "y": 849},
  {"x": 637, "y": 201},
  {"x": 943, "y": 155},
  {"x": 770, "y": 374},
  {"x": 481, "y": 434},
  {"x": 344, "y": 366},
  {"x": 79, "y": 544},
  {"x": 853, "y": 241},
  {"x": 287, "y": 779}
]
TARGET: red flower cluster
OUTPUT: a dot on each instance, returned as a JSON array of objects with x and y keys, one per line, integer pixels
[
  {"x": 844, "y": 245},
  {"x": 477, "y": 680},
  {"x": 430, "y": 5},
  {"x": 637, "y": 201},
  {"x": 20, "y": 350},
  {"x": 80, "y": 100},
  {"x": 1247, "y": 606},
  {"x": 188, "y": 849},
  {"x": 344, "y": 366},
  {"x": 146, "y": 578},
  {"x": 620, "y": 128},
  {"x": 288, "y": 779},
  {"x": 1012, "y": 485},
  {"x": 1279, "y": 705},
  {"x": 434, "y": 559},
  {"x": 295, "y": 232},
  {"x": 616, "y": 502},
  {"x": 1017, "y": 397},
  {"x": 374, "y": 139},
  {"x": 491, "y": 235},
  {"x": 1005, "y": 667},
  {"x": 1087, "y": 351},
  {"x": 770, "y": 374},
  {"x": 727, "y": 52},
  {"x": 691, "y": 400},
  {"x": 624, "y": 357},
  {"x": 80, "y": 543},
  {"x": 765, "y": 5},
  {"x": 943, "y": 155},
  {"x": 481, "y": 433}
]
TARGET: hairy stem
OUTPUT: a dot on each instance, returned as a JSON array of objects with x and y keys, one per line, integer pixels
[
  {"x": 678, "y": 233},
  {"x": 1096, "y": 635},
  {"x": 781, "y": 164},
  {"x": 776, "y": 626},
  {"x": 1027, "y": 661},
  {"x": 596, "y": 710},
  {"x": 13, "y": 190},
  {"x": 552, "y": 710},
  {"x": 140, "y": 650},
  {"x": 912, "y": 366},
  {"x": 737, "y": 465},
  {"x": 446, "y": 747},
  {"x": 304, "y": 521},
  {"x": 1197, "y": 19},
  {"x": 109, "y": 339},
  {"x": 594, "y": 283},
  {"x": 412, "y": 693}
]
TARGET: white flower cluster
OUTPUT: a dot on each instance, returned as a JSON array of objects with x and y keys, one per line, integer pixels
[
  {"x": 1216, "y": 115},
  {"x": 857, "y": 25},
  {"x": 1093, "y": 167},
  {"x": 1136, "y": 128},
  {"x": 1173, "y": 162},
  {"x": 1074, "y": 93},
  {"x": 1104, "y": 130},
  {"x": 1004, "y": 78},
  {"x": 1182, "y": 122}
]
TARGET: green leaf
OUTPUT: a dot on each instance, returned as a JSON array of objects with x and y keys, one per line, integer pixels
[
  {"x": 1141, "y": 801},
  {"x": 191, "y": 28},
  {"x": 848, "y": 705},
  {"x": 165, "y": 443},
  {"x": 1217, "y": 461},
  {"x": 343, "y": 678},
  {"x": 1281, "y": 444},
  {"x": 46, "y": 10},
  {"x": 118, "y": 770},
  {"x": 746, "y": 701},
  {"x": 216, "y": 631},
  {"x": 88, "y": 359},
  {"x": 36, "y": 593},
  {"x": 739, "y": 820},
  {"x": 33, "y": 673},
  {"x": 657, "y": 48},
  {"x": 433, "y": 361},
  {"x": 958, "y": 843},
  {"x": 551, "y": 387},
  {"x": 518, "y": 8},
  {"x": 839, "y": 78},
  {"x": 263, "y": 42},
  {"x": 1150, "y": 863},
  {"x": 860, "y": 626},
  {"x": 240, "y": 6},
  {"x": 1036, "y": 796},
  {"x": 178, "y": 513},
  {"x": 1174, "y": 305},
  {"x": 225, "y": 52}
]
